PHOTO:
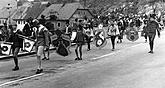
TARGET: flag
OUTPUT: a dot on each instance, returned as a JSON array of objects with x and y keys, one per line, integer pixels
[
  {"x": 6, "y": 48},
  {"x": 100, "y": 39},
  {"x": 28, "y": 44}
]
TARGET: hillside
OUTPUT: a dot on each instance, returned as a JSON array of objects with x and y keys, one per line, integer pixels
[{"x": 96, "y": 6}]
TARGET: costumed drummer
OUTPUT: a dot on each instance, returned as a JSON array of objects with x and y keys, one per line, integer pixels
[
  {"x": 42, "y": 41},
  {"x": 17, "y": 44}
]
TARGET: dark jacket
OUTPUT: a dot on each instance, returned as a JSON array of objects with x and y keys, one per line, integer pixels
[
  {"x": 16, "y": 40},
  {"x": 152, "y": 27},
  {"x": 27, "y": 30},
  {"x": 80, "y": 37}
]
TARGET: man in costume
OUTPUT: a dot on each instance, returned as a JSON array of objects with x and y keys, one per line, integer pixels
[
  {"x": 87, "y": 29},
  {"x": 152, "y": 27},
  {"x": 80, "y": 38},
  {"x": 27, "y": 30},
  {"x": 42, "y": 41},
  {"x": 113, "y": 31},
  {"x": 17, "y": 44}
]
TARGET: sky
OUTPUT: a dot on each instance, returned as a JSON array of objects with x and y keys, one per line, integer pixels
[{"x": 4, "y": 3}]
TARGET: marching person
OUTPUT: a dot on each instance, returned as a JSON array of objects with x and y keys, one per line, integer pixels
[
  {"x": 144, "y": 31},
  {"x": 87, "y": 29},
  {"x": 43, "y": 22},
  {"x": 27, "y": 30},
  {"x": 88, "y": 38},
  {"x": 4, "y": 32},
  {"x": 152, "y": 27},
  {"x": 113, "y": 31},
  {"x": 42, "y": 41},
  {"x": 79, "y": 42},
  {"x": 121, "y": 31},
  {"x": 17, "y": 44},
  {"x": 47, "y": 49}
]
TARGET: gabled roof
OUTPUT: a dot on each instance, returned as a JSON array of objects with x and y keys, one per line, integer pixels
[
  {"x": 21, "y": 11},
  {"x": 62, "y": 11},
  {"x": 35, "y": 10},
  {"x": 31, "y": 10}
]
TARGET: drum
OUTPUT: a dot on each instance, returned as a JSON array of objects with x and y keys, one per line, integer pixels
[
  {"x": 6, "y": 48},
  {"x": 28, "y": 44}
]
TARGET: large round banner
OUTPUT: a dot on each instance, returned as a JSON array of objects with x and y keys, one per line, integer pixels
[{"x": 132, "y": 34}]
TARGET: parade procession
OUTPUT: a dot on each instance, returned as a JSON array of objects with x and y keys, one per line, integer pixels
[{"x": 82, "y": 44}]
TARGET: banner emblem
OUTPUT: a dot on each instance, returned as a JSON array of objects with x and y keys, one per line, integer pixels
[
  {"x": 99, "y": 39},
  {"x": 28, "y": 44},
  {"x": 132, "y": 34},
  {"x": 6, "y": 48}
]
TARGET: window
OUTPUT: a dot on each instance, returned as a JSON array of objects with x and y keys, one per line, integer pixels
[{"x": 58, "y": 24}]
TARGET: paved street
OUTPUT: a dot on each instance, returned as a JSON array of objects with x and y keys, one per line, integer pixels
[{"x": 130, "y": 66}]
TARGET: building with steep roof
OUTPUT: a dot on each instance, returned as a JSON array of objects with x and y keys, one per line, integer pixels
[
  {"x": 28, "y": 10},
  {"x": 6, "y": 15},
  {"x": 61, "y": 14}
]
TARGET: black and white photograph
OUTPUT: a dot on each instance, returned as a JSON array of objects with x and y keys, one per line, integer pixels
[{"x": 82, "y": 43}]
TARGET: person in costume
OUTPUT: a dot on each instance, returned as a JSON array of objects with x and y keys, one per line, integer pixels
[
  {"x": 47, "y": 49},
  {"x": 27, "y": 30},
  {"x": 144, "y": 31},
  {"x": 152, "y": 28},
  {"x": 87, "y": 29},
  {"x": 42, "y": 42},
  {"x": 17, "y": 43},
  {"x": 113, "y": 32},
  {"x": 43, "y": 22},
  {"x": 80, "y": 38}
]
